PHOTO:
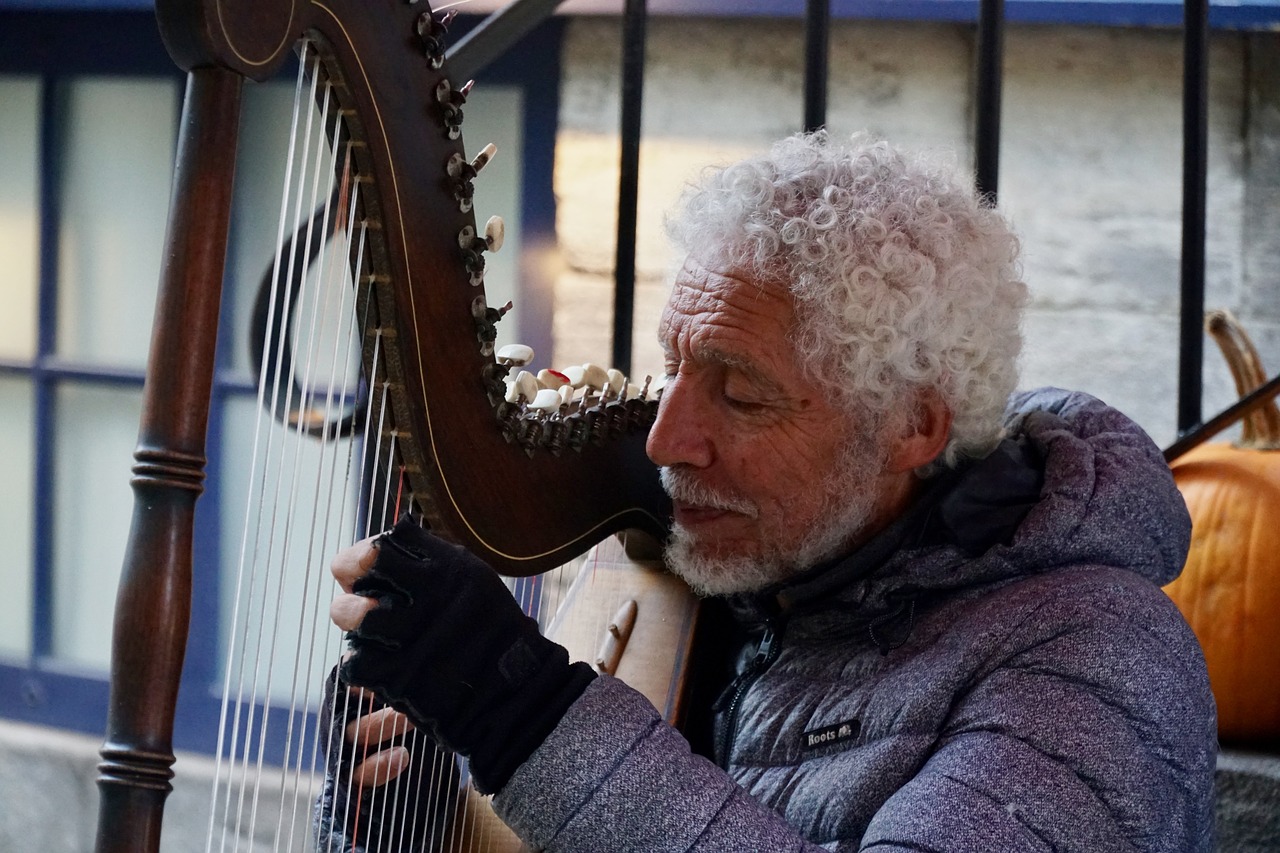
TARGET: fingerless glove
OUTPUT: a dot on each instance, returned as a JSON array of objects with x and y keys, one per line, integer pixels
[{"x": 448, "y": 645}]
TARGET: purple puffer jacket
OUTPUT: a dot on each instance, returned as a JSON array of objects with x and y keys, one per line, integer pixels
[{"x": 998, "y": 671}]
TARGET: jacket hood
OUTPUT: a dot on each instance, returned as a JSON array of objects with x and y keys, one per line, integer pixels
[{"x": 1075, "y": 482}]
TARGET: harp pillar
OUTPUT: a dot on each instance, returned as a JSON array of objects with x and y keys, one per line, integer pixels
[{"x": 155, "y": 586}]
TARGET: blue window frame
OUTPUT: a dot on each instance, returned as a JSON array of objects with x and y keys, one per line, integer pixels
[{"x": 119, "y": 40}]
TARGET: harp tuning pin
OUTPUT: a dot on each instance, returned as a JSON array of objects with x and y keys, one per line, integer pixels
[
  {"x": 545, "y": 401},
  {"x": 523, "y": 387},
  {"x": 553, "y": 379},
  {"x": 495, "y": 231},
  {"x": 594, "y": 376},
  {"x": 435, "y": 25},
  {"x": 482, "y": 312},
  {"x": 482, "y": 159},
  {"x": 446, "y": 94},
  {"x": 515, "y": 355},
  {"x": 431, "y": 32},
  {"x": 464, "y": 190},
  {"x": 451, "y": 102}
]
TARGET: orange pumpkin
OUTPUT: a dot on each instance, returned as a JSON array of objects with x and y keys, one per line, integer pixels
[{"x": 1230, "y": 588}]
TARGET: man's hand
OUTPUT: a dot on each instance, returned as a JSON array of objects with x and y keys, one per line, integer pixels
[
  {"x": 365, "y": 735},
  {"x": 376, "y": 765},
  {"x": 351, "y": 564},
  {"x": 436, "y": 635},
  {"x": 368, "y": 767}
]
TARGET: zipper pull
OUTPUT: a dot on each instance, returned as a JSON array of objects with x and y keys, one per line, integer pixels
[
  {"x": 749, "y": 672},
  {"x": 764, "y": 652}
]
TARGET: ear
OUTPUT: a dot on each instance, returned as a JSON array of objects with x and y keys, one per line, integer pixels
[{"x": 924, "y": 434}]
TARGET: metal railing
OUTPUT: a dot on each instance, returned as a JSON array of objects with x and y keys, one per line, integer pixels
[{"x": 506, "y": 26}]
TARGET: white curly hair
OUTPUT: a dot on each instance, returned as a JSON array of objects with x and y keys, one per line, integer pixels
[{"x": 902, "y": 279}]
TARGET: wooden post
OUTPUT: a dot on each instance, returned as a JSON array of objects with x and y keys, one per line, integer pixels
[{"x": 153, "y": 606}]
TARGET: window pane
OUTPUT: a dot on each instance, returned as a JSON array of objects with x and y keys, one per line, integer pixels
[
  {"x": 120, "y": 137},
  {"x": 264, "y": 142},
  {"x": 19, "y": 215},
  {"x": 494, "y": 114},
  {"x": 97, "y": 429},
  {"x": 16, "y": 431},
  {"x": 301, "y": 512}
]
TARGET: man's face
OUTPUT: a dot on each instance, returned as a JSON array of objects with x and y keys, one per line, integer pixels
[{"x": 767, "y": 477}]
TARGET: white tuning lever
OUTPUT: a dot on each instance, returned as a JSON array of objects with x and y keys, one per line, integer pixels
[
  {"x": 595, "y": 376},
  {"x": 523, "y": 387},
  {"x": 545, "y": 401},
  {"x": 552, "y": 379},
  {"x": 495, "y": 231},
  {"x": 482, "y": 159},
  {"x": 515, "y": 355}
]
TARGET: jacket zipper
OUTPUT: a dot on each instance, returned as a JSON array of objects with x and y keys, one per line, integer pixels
[{"x": 766, "y": 653}]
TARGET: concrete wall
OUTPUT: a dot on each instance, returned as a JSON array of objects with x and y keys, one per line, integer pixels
[
  {"x": 49, "y": 799},
  {"x": 1090, "y": 175}
]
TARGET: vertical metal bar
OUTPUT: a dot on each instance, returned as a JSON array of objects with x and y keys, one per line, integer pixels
[
  {"x": 633, "y": 44},
  {"x": 45, "y": 391},
  {"x": 1195, "y": 118},
  {"x": 988, "y": 77},
  {"x": 817, "y": 49},
  {"x": 540, "y": 101}
]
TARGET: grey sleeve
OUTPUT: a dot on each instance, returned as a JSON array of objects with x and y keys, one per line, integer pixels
[
  {"x": 614, "y": 776},
  {"x": 1095, "y": 733}
]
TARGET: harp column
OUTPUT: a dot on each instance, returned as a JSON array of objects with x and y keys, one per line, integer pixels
[{"x": 154, "y": 601}]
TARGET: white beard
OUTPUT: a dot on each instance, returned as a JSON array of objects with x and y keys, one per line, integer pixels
[{"x": 848, "y": 502}]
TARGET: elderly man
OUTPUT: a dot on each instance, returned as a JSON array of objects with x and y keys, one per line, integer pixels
[{"x": 945, "y": 625}]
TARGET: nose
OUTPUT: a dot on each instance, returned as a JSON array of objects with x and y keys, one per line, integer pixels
[{"x": 682, "y": 433}]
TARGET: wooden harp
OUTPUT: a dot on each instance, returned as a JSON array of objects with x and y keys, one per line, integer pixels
[{"x": 463, "y": 444}]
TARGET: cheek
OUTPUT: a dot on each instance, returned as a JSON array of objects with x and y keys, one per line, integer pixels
[{"x": 785, "y": 468}]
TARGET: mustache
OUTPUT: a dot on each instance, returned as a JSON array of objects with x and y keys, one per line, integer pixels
[{"x": 684, "y": 487}]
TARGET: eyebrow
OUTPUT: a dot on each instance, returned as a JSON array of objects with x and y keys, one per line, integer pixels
[{"x": 714, "y": 355}]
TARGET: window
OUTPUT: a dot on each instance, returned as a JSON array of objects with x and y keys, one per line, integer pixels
[{"x": 89, "y": 138}]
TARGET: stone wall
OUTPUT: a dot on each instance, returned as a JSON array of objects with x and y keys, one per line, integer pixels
[
  {"x": 49, "y": 799},
  {"x": 1090, "y": 175}
]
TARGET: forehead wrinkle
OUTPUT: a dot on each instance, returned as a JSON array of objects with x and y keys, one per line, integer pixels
[
  {"x": 711, "y": 353},
  {"x": 717, "y": 318}
]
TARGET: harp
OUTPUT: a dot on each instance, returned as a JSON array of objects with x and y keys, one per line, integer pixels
[{"x": 454, "y": 441}]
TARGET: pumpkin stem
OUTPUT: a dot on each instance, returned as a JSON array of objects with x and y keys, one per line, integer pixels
[{"x": 1261, "y": 427}]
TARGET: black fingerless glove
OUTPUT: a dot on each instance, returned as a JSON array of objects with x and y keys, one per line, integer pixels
[{"x": 449, "y": 646}]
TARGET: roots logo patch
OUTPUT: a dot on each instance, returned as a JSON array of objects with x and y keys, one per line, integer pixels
[{"x": 830, "y": 735}]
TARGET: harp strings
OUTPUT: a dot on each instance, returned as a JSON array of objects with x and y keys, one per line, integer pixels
[
  {"x": 313, "y": 491},
  {"x": 299, "y": 510},
  {"x": 224, "y": 794}
]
